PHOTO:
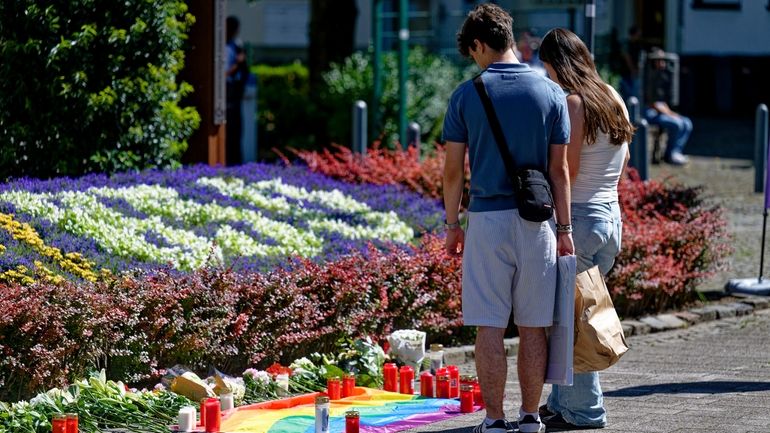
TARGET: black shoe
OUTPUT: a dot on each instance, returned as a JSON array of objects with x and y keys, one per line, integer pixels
[
  {"x": 557, "y": 422},
  {"x": 544, "y": 411},
  {"x": 529, "y": 424},
  {"x": 499, "y": 426}
]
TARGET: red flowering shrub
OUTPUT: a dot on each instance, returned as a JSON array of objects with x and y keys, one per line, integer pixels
[
  {"x": 384, "y": 167},
  {"x": 671, "y": 242},
  {"x": 671, "y": 239},
  {"x": 136, "y": 325}
]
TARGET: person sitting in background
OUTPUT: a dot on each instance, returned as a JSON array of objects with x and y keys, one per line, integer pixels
[{"x": 677, "y": 127}]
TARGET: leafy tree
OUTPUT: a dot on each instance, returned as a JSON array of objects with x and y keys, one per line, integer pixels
[{"x": 90, "y": 85}]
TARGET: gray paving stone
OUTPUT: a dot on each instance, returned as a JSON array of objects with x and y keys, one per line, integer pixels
[
  {"x": 640, "y": 328},
  {"x": 724, "y": 311},
  {"x": 706, "y": 314},
  {"x": 457, "y": 355},
  {"x": 628, "y": 330},
  {"x": 758, "y": 302},
  {"x": 511, "y": 346},
  {"x": 656, "y": 325},
  {"x": 672, "y": 321},
  {"x": 741, "y": 309},
  {"x": 689, "y": 317}
]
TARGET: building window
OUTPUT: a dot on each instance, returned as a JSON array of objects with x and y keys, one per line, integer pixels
[{"x": 731, "y": 5}]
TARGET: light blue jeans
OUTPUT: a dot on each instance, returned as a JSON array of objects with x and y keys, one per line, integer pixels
[
  {"x": 597, "y": 230},
  {"x": 678, "y": 129}
]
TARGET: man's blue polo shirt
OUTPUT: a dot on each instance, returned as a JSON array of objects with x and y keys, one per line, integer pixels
[{"x": 533, "y": 113}]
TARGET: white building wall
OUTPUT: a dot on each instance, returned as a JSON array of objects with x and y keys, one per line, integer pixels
[{"x": 726, "y": 32}]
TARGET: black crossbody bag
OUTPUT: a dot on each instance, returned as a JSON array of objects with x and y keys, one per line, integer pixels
[{"x": 530, "y": 185}]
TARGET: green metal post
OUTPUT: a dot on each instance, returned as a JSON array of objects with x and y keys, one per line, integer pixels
[
  {"x": 403, "y": 52},
  {"x": 376, "y": 65}
]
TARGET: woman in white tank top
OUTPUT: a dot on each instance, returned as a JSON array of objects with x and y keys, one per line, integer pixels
[{"x": 597, "y": 155}]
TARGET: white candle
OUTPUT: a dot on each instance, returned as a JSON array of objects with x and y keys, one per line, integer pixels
[
  {"x": 226, "y": 401},
  {"x": 187, "y": 419}
]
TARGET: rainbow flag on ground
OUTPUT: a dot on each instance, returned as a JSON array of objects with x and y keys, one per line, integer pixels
[{"x": 381, "y": 412}]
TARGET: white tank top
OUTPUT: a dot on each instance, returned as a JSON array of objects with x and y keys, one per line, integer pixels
[{"x": 601, "y": 164}]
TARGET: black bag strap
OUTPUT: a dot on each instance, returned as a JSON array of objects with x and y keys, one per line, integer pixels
[{"x": 497, "y": 130}]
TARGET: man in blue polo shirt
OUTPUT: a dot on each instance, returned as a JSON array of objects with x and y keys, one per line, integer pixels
[{"x": 509, "y": 264}]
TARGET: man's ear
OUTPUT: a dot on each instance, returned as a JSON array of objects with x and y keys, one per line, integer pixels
[{"x": 478, "y": 46}]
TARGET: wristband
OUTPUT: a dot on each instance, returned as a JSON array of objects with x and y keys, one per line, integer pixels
[
  {"x": 564, "y": 228},
  {"x": 448, "y": 226}
]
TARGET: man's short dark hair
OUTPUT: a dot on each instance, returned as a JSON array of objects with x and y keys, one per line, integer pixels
[{"x": 489, "y": 24}]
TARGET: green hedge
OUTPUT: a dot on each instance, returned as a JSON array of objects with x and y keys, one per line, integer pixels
[
  {"x": 284, "y": 107},
  {"x": 431, "y": 81},
  {"x": 91, "y": 86},
  {"x": 289, "y": 117}
]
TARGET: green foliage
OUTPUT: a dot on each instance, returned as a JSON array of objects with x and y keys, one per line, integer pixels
[
  {"x": 431, "y": 81},
  {"x": 88, "y": 86},
  {"x": 284, "y": 105}
]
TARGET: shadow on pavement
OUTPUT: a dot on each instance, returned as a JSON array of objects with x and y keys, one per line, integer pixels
[
  {"x": 456, "y": 430},
  {"x": 717, "y": 387}
]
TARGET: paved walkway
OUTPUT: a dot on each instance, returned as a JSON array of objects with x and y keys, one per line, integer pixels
[{"x": 711, "y": 377}]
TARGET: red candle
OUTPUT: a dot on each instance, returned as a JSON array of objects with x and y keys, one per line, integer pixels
[
  {"x": 348, "y": 384},
  {"x": 352, "y": 421},
  {"x": 442, "y": 386},
  {"x": 71, "y": 423},
  {"x": 466, "y": 399},
  {"x": 407, "y": 380},
  {"x": 213, "y": 415},
  {"x": 390, "y": 374},
  {"x": 477, "y": 398},
  {"x": 442, "y": 372},
  {"x": 454, "y": 381},
  {"x": 59, "y": 423},
  {"x": 426, "y": 384},
  {"x": 202, "y": 421},
  {"x": 334, "y": 388}
]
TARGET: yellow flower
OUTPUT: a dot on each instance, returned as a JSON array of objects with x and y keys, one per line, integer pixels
[{"x": 72, "y": 262}]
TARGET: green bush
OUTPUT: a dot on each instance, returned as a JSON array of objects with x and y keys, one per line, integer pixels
[
  {"x": 87, "y": 86},
  {"x": 284, "y": 107},
  {"x": 431, "y": 81}
]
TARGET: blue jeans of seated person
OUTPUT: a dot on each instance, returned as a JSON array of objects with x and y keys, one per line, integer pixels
[
  {"x": 678, "y": 129},
  {"x": 597, "y": 230}
]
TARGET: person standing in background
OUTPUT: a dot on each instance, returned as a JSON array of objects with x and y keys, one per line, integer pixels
[
  {"x": 597, "y": 155},
  {"x": 237, "y": 72}
]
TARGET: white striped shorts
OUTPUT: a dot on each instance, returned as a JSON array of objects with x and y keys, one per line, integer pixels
[{"x": 509, "y": 264}]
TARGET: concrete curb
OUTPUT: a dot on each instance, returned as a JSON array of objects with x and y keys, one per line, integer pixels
[{"x": 746, "y": 304}]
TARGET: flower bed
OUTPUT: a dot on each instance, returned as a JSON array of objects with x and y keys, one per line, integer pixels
[
  {"x": 137, "y": 324},
  {"x": 251, "y": 218}
]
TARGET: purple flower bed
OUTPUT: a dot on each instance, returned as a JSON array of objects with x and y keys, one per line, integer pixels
[{"x": 415, "y": 214}]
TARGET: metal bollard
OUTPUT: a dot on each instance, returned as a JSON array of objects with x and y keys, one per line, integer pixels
[
  {"x": 413, "y": 136},
  {"x": 760, "y": 148},
  {"x": 634, "y": 110},
  {"x": 639, "y": 150},
  {"x": 359, "y": 128}
]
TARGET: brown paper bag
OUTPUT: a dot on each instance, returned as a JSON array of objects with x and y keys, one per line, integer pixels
[{"x": 599, "y": 339}]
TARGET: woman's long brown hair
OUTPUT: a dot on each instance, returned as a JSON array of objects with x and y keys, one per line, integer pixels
[{"x": 575, "y": 69}]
